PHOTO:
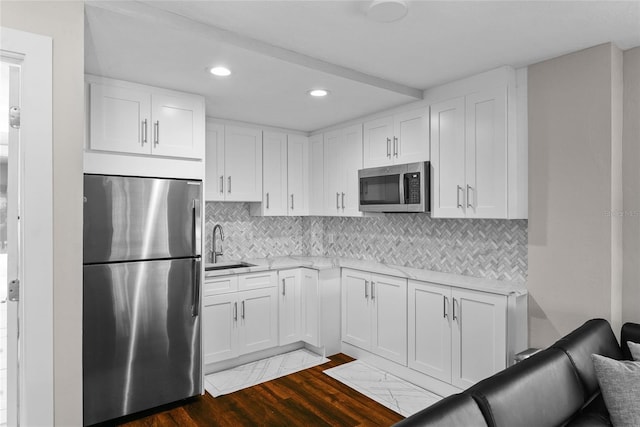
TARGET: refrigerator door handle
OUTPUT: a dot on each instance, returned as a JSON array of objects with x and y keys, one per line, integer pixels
[
  {"x": 196, "y": 227},
  {"x": 195, "y": 308}
]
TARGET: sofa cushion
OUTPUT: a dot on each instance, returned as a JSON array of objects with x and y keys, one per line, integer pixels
[
  {"x": 630, "y": 332},
  {"x": 634, "y": 348},
  {"x": 593, "y": 413},
  {"x": 589, "y": 420},
  {"x": 620, "y": 385},
  {"x": 541, "y": 391},
  {"x": 594, "y": 337},
  {"x": 455, "y": 410}
]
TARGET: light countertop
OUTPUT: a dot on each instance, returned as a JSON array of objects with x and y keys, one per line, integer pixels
[{"x": 321, "y": 263}]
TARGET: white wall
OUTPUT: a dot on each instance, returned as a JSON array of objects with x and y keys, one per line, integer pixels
[
  {"x": 631, "y": 186},
  {"x": 64, "y": 22},
  {"x": 574, "y": 156}
]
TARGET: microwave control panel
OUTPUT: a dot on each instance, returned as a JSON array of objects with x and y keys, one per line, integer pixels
[{"x": 412, "y": 188}]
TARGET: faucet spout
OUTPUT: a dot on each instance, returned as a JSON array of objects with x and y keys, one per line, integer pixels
[{"x": 214, "y": 252}]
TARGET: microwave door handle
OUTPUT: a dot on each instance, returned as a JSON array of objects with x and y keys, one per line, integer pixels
[{"x": 402, "y": 185}]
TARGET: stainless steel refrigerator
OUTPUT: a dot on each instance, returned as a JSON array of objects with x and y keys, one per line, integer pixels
[{"x": 141, "y": 280}]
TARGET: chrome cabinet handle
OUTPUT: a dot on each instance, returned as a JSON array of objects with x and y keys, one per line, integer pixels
[
  {"x": 469, "y": 204},
  {"x": 445, "y": 302},
  {"x": 267, "y": 200},
  {"x": 235, "y": 311},
  {"x": 395, "y": 146},
  {"x": 144, "y": 131},
  {"x": 373, "y": 294},
  {"x": 389, "y": 147},
  {"x": 221, "y": 184},
  {"x": 460, "y": 205},
  {"x": 242, "y": 315},
  {"x": 366, "y": 289},
  {"x": 156, "y": 136},
  {"x": 342, "y": 201},
  {"x": 337, "y": 200},
  {"x": 284, "y": 287},
  {"x": 454, "y": 310},
  {"x": 292, "y": 202},
  {"x": 229, "y": 185}
]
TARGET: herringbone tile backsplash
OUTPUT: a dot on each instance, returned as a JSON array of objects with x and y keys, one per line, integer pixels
[{"x": 490, "y": 248}]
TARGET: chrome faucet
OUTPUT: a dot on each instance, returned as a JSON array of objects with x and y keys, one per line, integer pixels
[{"x": 214, "y": 253}]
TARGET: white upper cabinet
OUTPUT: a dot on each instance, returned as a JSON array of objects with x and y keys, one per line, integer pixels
[
  {"x": 137, "y": 119},
  {"x": 233, "y": 163},
  {"x": 342, "y": 160},
  {"x": 297, "y": 175},
  {"x": 477, "y": 156},
  {"x": 401, "y": 138},
  {"x": 316, "y": 175},
  {"x": 274, "y": 174}
]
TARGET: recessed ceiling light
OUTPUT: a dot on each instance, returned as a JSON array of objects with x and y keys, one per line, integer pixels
[
  {"x": 318, "y": 92},
  {"x": 387, "y": 10},
  {"x": 220, "y": 71}
]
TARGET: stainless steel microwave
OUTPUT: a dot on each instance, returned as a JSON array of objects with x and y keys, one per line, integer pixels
[{"x": 397, "y": 188}]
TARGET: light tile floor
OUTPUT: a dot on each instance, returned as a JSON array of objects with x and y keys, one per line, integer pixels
[
  {"x": 243, "y": 376},
  {"x": 394, "y": 393}
]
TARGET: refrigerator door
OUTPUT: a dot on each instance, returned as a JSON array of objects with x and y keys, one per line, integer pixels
[
  {"x": 130, "y": 218},
  {"x": 141, "y": 336}
]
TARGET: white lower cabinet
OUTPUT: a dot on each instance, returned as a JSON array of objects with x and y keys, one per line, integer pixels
[
  {"x": 374, "y": 313},
  {"x": 456, "y": 335},
  {"x": 289, "y": 306},
  {"x": 242, "y": 320}
]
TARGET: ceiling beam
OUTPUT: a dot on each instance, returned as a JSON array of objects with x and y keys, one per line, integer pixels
[{"x": 163, "y": 18}]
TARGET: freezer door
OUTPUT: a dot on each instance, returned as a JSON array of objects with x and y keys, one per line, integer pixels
[
  {"x": 141, "y": 336},
  {"x": 130, "y": 218}
]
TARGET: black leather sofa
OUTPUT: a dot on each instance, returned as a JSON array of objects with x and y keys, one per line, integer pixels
[{"x": 555, "y": 387}]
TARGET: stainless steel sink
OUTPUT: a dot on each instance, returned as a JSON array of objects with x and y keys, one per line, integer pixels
[{"x": 227, "y": 265}]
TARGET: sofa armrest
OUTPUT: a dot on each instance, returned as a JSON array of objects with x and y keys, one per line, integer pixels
[{"x": 630, "y": 332}]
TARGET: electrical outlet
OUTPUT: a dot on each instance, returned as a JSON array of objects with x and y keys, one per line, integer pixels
[{"x": 330, "y": 238}]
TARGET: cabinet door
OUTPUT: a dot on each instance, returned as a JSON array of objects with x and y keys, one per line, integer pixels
[
  {"x": 214, "y": 163},
  {"x": 378, "y": 142},
  {"x": 351, "y": 154},
  {"x": 356, "y": 308},
  {"x": 429, "y": 323},
  {"x": 310, "y": 312},
  {"x": 219, "y": 327},
  {"x": 389, "y": 302},
  {"x": 120, "y": 119},
  {"x": 411, "y": 128},
  {"x": 274, "y": 177},
  {"x": 243, "y": 164},
  {"x": 178, "y": 126},
  {"x": 258, "y": 320},
  {"x": 479, "y": 334},
  {"x": 447, "y": 159},
  {"x": 289, "y": 306},
  {"x": 486, "y": 154},
  {"x": 298, "y": 175},
  {"x": 316, "y": 175},
  {"x": 333, "y": 172}
]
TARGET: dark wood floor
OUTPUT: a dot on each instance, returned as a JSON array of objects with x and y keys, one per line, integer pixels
[{"x": 307, "y": 398}]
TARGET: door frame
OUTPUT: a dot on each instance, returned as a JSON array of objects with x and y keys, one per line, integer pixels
[{"x": 35, "y": 308}]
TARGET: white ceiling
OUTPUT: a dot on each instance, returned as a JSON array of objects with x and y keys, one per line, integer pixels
[{"x": 278, "y": 50}]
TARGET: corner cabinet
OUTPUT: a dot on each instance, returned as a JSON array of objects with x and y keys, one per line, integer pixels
[
  {"x": 397, "y": 139},
  {"x": 374, "y": 315},
  {"x": 342, "y": 160},
  {"x": 233, "y": 163},
  {"x": 476, "y": 153}
]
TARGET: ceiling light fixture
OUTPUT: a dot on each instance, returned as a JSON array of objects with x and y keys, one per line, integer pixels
[
  {"x": 220, "y": 71},
  {"x": 318, "y": 93},
  {"x": 387, "y": 10}
]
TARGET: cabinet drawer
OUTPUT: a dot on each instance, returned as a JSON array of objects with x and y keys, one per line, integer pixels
[
  {"x": 265, "y": 279},
  {"x": 219, "y": 285}
]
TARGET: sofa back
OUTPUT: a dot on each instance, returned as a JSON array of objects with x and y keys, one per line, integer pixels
[
  {"x": 515, "y": 396},
  {"x": 457, "y": 410},
  {"x": 593, "y": 337},
  {"x": 630, "y": 332}
]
